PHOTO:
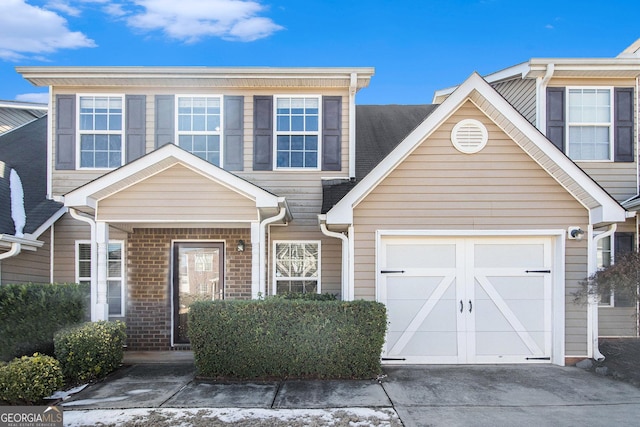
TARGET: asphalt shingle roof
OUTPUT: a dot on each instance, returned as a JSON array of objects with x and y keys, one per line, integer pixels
[
  {"x": 379, "y": 129},
  {"x": 25, "y": 150}
]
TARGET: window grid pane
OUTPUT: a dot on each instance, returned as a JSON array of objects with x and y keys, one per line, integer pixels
[
  {"x": 115, "y": 272},
  {"x": 589, "y": 116},
  {"x": 199, "y": 127},
  {"x": 296, "y": 267},
  {"x": 100, "y": 126},
  {"x": 297, "y": 127}
]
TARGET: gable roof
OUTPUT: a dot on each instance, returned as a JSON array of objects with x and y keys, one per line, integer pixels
[
  {"x": 24, "y": 150},
  {"x": 168, "y": 155},
  {"x": 601, "y": 206},
  {"x": 379, "y": 129},
  {"x": 14, "y": 114}
]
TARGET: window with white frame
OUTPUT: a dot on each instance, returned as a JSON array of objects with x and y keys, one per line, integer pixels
[
  {"x": 100, "y": 129},
  {"x": 199, "y": 127},
  {"x": 609, "y": 298},
  {"x": 297, "y": 266},
  {"x": 115, "y": 273},
  {"x": 297, "y": 132},
  {"x": 590, "y": 127}
]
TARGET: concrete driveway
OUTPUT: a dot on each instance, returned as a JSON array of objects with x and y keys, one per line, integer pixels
[
  {"x": 509, "y": 395},
  {"x": 432, "y": 395}
]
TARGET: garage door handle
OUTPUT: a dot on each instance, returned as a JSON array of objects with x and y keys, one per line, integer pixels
[
  {"x": 470, "y": 306},
  {"x": 461, "y": 306}
]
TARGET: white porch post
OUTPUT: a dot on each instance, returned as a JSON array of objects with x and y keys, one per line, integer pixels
[
  {"x": 102, "y": 242},
  {"x": 255, "y": 259}
]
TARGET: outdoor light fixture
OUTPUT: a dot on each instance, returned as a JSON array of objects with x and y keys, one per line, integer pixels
[
  {"x": 575, "y": 233},
  {"x": 240, "y": 245}
]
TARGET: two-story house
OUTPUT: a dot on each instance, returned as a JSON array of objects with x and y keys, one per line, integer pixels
[{"x": 204, "y": 183}]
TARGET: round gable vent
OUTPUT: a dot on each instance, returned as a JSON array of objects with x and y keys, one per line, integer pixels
[{"x": 469, "y": 136}]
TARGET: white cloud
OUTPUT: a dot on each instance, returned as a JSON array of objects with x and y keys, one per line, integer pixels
[
  {"x": 27, "y": 30},
  {"x": 42, "y": 98},
  {"x": 193, "y": 20},
  {"x": 64, "y": 7}
]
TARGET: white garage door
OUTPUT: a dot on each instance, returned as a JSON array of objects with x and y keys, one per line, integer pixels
[{"x": 467, "y": 300}]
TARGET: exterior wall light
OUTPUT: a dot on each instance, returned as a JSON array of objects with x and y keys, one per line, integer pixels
[
  {"x": 575, "y": 233},
  {"x": 240, "y": 246}
]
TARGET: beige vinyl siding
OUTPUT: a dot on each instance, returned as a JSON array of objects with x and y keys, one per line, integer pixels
[
  {"x": 29, "y": 266},
  {"x": 500, "y": 188},
  {"x": 619, "y": 321},
  {"x": 177, "y": 193},
  {"x": 521, "y": 93},
  {"x": 64, "y": 181}
]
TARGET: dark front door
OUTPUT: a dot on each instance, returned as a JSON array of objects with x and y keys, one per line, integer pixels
[{"x": 198, "y": 275}]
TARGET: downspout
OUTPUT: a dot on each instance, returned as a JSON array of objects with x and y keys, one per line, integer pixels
[
  {"x": 15, "y": 250},
  {"x": 94, "y": 259},
  {"x": 541, "y": 113},
  {"x": 352, "y": 124},
  {"x": 346, "y": 284},
  {"x": 262, "y": 291},
  {"x": 592, "y": 313}
]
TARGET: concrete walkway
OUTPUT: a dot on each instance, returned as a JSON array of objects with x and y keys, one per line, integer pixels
[{"x": 477, "y": 395}]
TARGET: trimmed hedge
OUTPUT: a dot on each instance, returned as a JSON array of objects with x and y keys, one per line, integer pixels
[
  {"x": 31, "y": 313},
  {"x": 29, "y": 379},
  {"x": 90, "y": 351},
  {"x": 287, "y": 338}
]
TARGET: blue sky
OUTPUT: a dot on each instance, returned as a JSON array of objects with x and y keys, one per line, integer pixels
[{"x": 416, "y": 47}]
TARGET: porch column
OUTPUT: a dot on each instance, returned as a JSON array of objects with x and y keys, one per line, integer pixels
[
  {"x": 255, "y": 259},
  {"x": 102, "y": 242}
]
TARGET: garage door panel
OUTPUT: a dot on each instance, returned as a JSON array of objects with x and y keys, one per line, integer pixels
[
  {"x": 509, "y": 344},
  {"x": 427, "y": 344},
  {"x": 508, "y": 256},
  {"x": 420, "y": 256},
  {"x": 517, "y": 288},
  {"x": 530, "y": 316},
  {"x": 411, "y": 288}
]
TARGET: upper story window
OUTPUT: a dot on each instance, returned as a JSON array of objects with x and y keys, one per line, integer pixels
[
  {"x": 590, "y": 123},
  {"x": 100, "y": 129},
  {"x": 297, "y": 132},
  {"x": 199, "y": 127}
]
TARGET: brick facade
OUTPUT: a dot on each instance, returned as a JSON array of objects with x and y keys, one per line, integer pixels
[{"x": 149, "y": 279}]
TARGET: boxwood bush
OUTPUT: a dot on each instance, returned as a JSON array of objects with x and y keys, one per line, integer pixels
[
  {"x": 31, "y": 313},
  {"x": 29, "y": 379},
  {"x": 91, "y": 350},
  {"x": 287, "y": 338}
]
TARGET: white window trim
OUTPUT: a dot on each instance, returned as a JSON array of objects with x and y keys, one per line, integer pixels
[
  {"x": 108, "y": 132},
  {"x": 318, "y": 276},
  {"x": 276, "y": 133},
  {"x": 220, "y": 133},
  {"x": 611, "y": 123},
  {"x": 123, "y": 292}
]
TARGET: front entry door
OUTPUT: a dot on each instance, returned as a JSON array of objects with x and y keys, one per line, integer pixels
[{"x": 198, "y": 275}]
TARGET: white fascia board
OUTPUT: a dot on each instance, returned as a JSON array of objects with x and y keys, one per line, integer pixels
[
  {"x": 24, "y": 241},
  {"x": 519, "y": 71},
  {"x": 84, "y": 195},
  {"x": 342, "y": 212}
]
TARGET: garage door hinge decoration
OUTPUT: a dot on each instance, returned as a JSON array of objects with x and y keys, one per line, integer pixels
[
  {"x": 537, "y": 271},
  {"x": 391, "y": 271}
]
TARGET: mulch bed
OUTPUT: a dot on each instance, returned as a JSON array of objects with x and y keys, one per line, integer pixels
[{"x": 622, "y": 359}]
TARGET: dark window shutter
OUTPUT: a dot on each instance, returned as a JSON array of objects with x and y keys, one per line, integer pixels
[
  {"x": 135, "y": 126},
  {"x": 233, "y": 133},
  {"x": 556, "y": 116},
  {"x": 624, "y": 243},
  {"x": 262, "y": 133},
  {"x": 65, "y": 132},
  {"x": 331, "y": 133},
  {"x": 623, "y": 124},
  {"x": 165, "y": 120}
]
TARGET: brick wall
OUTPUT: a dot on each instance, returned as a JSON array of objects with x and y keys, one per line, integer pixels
[{"x": 149, "y": 279}]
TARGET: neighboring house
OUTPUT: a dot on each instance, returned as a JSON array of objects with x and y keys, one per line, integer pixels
[
  {"x": 206, "y": 183},
  {"x": 588, "y": 107},
  {"x": 26, "y": 214},
  {"x": 14, "y": 114}
]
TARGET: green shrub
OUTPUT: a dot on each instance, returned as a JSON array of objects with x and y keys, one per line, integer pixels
[
  {"x": 91, "y": 350},
  {"x": 29, "y": 379},
  {"x": 31, "y": 313},
  {"x": 287, "y": 338}
]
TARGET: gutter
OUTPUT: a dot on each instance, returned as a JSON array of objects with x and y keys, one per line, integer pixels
[
  {"x": 94, "y": 258},
  {"x": 262, "y": 285},
  {"x": 15, "y": 250},
  {"x": 346, "y": 283},
  {"x": 592, "y": 310}
]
